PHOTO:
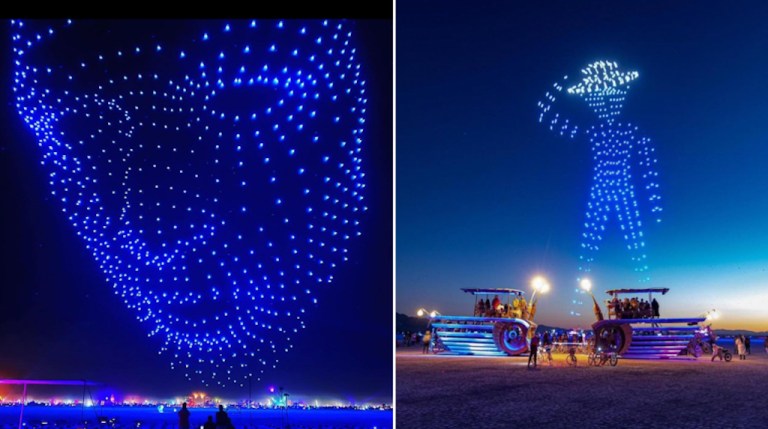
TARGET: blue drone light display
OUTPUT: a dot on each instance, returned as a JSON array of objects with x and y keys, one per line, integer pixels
[
  {"x": 623, "y": 162},
  {"x": 213, "y": 169}
]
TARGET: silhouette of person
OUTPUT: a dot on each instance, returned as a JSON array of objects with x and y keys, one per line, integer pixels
[
  {"x": 740, "y": 347},
  {"x": 534, "y": 351},
  {"x": 209, "y": 424},
  {"x": 655, "y": 306},
  {"x": 184, "y": 417},
  {"x": 222, "y": 419}
]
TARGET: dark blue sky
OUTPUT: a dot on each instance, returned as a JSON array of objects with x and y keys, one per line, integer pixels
[
  {"x": 60, "y": 319},
  {"x": 488, "y": 197}
]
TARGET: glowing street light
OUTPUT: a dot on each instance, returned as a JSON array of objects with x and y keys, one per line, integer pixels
[
  {"x": 586, "y": 284},
  {"x": 423, "y": 312},
  {"x": 432, "y": 314},
  {"x": 712, "y": 315},
  {"x": 539, "y": 284}
]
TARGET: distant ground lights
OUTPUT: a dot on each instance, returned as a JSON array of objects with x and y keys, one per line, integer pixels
[
  {"x": 624, "y": 163},
  {"x": 213, "y": 169}
]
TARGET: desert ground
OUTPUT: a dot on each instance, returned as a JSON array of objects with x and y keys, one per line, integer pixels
[{"x": 441, "y": 391}]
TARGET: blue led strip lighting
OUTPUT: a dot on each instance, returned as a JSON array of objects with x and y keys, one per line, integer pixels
[
  {"x": 623, "y": 163},
  {"x": 213, "y": 169}
]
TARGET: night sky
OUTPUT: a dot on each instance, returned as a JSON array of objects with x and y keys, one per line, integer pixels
[
  {"x": 489, "y": 197},
  {"x": 60, "y": 319}
]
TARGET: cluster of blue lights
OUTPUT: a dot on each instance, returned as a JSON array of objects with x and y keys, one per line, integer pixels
[
  {"x": 214, "y": 173},
  {"x": 623, "y": 162}
]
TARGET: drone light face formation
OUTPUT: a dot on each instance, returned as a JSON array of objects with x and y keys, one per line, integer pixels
[
  {"x": 624, "y": 164},
  {"x": 213, "y": 169}
]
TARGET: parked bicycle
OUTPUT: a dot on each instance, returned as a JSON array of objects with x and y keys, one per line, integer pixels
[
  {"x": 437, "y": 345},
  {"x": 545, "y": 355},
  {"x": 600, "y": 357},
  {"x": 571, "y": 358}
]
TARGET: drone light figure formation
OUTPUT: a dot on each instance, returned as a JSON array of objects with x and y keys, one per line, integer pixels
[
  {"x": 214, "y": 171},
  {"x": 623, "y": 163}
]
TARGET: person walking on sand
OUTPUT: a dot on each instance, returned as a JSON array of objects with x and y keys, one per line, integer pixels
[
  {"x": 740, "y": 348},
  {"x": 717, "y": 352},
  {"x": 747, "y": 344},
  {"x": 184, "y": 417},
  {"x": 534, "y": 350},
  {"x": 425, "y": 340}
]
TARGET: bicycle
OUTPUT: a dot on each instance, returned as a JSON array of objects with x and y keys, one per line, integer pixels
[
  {"x": 437, "y": 345},
  {"x": 592, "y": 359},
  {"x": 571, "y": 358},
  {"x": 600, "y": 358},
  {"x": 545, "y": 354},
  {"x": 727, "y": 355}
]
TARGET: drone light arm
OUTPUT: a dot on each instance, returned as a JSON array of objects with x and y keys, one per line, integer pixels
[{"x": 553, "y": 119}]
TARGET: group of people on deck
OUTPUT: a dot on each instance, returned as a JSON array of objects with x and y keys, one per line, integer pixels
[
  {"x": 633, "y": 308},
  {"x": 488, "y": 308}
]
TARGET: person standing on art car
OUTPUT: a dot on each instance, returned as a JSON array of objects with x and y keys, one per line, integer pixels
[
  {"x": 516, "y": 312},
  {"x": 655, "y": 307},
  {"x": 184, "y": 417},
  {"x": 616, "y": 307},
  {"x": 626, "y": 308}
]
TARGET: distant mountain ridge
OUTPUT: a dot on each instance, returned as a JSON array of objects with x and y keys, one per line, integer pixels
[{"x": 404, "y": 322}]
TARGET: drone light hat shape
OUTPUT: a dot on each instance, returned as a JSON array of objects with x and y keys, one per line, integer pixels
[
  {"x": 214, "y": 170},
  {"x": 604, "y": 87},
  {"x": 624, "y": 162}
]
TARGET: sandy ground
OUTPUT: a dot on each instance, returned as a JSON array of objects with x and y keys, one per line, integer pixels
[{"x": 489, "y": 392}]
